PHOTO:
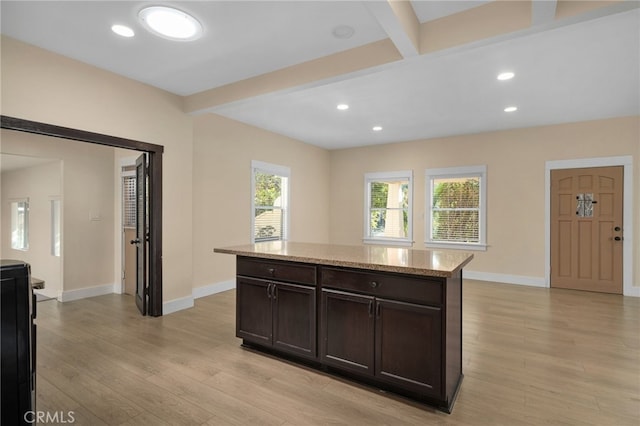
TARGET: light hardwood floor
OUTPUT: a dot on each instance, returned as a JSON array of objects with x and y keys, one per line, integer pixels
[{"x": 531, "y": 356}]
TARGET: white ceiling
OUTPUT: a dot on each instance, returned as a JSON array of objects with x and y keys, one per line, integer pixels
[{"x": 573, "y": 70}]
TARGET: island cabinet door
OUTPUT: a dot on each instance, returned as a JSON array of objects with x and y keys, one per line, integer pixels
[
  {"x": 346, "y": 331},
  {"x": 294, "y": 319},
  {"x": 253, "y": 310},
  {"x": 408, "y": 345}
]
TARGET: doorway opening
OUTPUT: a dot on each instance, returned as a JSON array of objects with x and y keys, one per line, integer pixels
[{"x": 152, "y": 243}]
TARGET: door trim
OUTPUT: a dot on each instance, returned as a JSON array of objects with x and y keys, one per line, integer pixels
[
  {"x": 627, "y": 211},
  {"x": 155, "y": 187}
]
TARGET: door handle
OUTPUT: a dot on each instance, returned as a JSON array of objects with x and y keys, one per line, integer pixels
[{"x": 136, "y": 241}]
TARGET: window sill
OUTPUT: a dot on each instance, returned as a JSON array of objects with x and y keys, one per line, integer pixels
[
  {"x": 456, "y": 246},
  {"x": 381, "y": 242}
]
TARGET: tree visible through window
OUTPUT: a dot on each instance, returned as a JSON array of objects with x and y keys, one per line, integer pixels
[
  {"x": 388, "y": 209},
  {"x": 456, "y": 208},
  {"x": 270, "y": 199}
]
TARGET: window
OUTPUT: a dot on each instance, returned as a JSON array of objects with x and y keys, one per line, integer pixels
[
  {"x": 20, "y": 225},
  {"x": 129, "y": 199},
  {"x": 269, "y": 202},
  {"x": 55, "y": 228},
  {"x": 456, "y": 209},
  {"x": 388, "y": 205}
]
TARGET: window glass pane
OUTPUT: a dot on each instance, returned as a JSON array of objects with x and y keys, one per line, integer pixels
[
  {"x": 270, "y": 199},
  {"x": 20, "y": 225},
  {"x": 268, "y": 189},
  {"x": 455, "y": 225},
  {"x": 390, "y": 223},
  {"x": 456, "y": 193},
  {"x": 55, "y": 228},
  {"x": 268, "y": 224},
  {"x": 129, "y": 201}
]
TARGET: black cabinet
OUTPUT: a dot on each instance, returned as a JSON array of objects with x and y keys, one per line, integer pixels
[
  {"x": 18, "y": 358},
  {"x": 276, "y": 314}
]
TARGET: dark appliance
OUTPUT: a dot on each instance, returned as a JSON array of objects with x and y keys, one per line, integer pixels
[{"x": 18, "y": 343}]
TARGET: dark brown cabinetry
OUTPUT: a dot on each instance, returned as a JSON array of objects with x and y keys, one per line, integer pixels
[
  {"x": 400, "y": 332},
  {"x": 275, "y": 313},
  {"x": 395, "y": 341}
]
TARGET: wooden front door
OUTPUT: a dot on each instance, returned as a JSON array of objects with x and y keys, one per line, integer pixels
[{"x": 587, "y": 229}]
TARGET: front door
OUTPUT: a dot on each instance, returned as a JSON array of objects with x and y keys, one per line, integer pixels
[
  {"x": 587, "y": 229},
  {"x": 141, "y": 239}
]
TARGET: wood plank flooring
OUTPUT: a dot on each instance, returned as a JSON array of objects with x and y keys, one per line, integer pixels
[{"x": 531, "y": 356}]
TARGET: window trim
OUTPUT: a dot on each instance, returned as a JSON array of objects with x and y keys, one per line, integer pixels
[
  {"x": 381, "y": 177},
  {"x": 278, "y": 170},
  {"x": 457, "y": 172}
]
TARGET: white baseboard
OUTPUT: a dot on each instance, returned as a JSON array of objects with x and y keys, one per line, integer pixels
[
  {"x": 176, "y": 305},
  {"x": 210, "y": 289},
  {"x": 198, "y": 292},
  {"x": 631, "y": 291},
  {"x": 83, "y": 293},
  {"x": 505, "y": 278}
]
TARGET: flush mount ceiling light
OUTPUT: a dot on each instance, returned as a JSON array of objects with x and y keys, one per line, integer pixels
[
  {"x": 511, "y": 109},
  {"x": 122, "y": 30},
  {"x": 377, "y": 128},
  {"x": 342, "y": 107},
  {"x": 170, "y": 23},
  {"x": 506, "y": 75}
]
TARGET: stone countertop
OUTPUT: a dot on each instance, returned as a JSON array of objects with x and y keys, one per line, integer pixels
[{"x": 437, "y": 263}]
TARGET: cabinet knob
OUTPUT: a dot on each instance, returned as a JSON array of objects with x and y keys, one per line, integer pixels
[
  {"x": 272, "y": 271},
  {"x": 374, "y": 284}
]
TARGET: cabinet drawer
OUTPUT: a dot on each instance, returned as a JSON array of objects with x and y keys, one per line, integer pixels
[
  {"x": 275, "y": 270},
  {"x": 426, "y": 290}
]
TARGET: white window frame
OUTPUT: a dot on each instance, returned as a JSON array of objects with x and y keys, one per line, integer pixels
[
  {"x": 457, "y": 172},
  {"x": 391, "y": 177},
  {"x": 274, "y": 169}
]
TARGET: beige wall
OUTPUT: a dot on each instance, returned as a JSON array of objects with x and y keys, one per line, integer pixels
[
  {"x": 222, "y": 154},
  {"x": 515, "y": 162},
  {"x": 87, "y": 204},
  {"x": 40, "y": 184},
  {"x": 42, "y": 86}
]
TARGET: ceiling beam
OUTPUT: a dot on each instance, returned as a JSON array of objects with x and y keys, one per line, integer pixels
[
  {"x": 543, "y": 11},
  {"x": 400, "y": 22}
]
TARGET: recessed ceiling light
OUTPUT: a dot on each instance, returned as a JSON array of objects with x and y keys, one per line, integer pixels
[
  {"x": 377, "y": 128},
  {"x": 122, "y": 30},
  {"x": 510, "y": 109},
  {"x": 342, "y": 107},
  {"x": 170, "y": 23},
  {"x": 343, "y": 31},
  {"x": 506, "y": 75}
]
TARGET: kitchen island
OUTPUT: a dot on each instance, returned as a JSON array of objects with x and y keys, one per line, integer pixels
[{"x": 388, "y": 317}]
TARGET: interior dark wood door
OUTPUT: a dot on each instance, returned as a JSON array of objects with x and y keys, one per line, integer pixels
[
  {"x": 253, "y": 310},
  {"x": 587, "y": 229},
  {"x": 408, "y": 345},
  {"x": 347, "y": 332},
  {"x": 142, "y": 289}
]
